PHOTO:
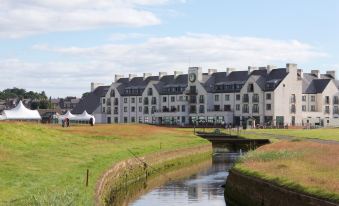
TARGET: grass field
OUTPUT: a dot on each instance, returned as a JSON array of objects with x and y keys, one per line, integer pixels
[
  {"x": 322, "y": 134},
  {"x": 304, "y": 166},
  {"x": 42, "y": 165}
]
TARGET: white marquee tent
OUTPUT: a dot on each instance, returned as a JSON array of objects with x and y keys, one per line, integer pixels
[
  {"x": 78, "y": 118},
  {"x": 20, "y": 112},
  {"x": 2, "y": 117}
]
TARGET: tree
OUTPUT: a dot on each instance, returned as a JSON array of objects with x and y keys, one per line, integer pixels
[{"x": 85, "y": 94}]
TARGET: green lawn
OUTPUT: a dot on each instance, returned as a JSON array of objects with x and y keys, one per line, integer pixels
[
  {"x": 46, "y": 165},
  {"x": 323, "y": 134}
]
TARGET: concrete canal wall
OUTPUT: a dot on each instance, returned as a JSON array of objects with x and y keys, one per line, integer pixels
[
  {"x": 243, "y": 190},
  {"x": 131, "y": 170}
]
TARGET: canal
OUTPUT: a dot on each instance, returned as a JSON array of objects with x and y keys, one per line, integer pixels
[{"x": 197, "y": 185}]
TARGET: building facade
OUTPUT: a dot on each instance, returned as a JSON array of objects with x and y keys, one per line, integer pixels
[{"x": 258, "y": 96}]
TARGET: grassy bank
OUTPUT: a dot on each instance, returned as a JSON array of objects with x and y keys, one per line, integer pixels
[
  {"x": 308, "y": 167},
  {"x": 47, "y": 164},
  {"x": 322, "y": 134}
]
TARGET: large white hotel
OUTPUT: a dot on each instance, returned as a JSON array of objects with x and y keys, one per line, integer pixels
[{"x": 257, "y": 96}]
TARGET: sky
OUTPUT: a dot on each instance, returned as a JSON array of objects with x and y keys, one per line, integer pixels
[{"x": 60, "y": 47}]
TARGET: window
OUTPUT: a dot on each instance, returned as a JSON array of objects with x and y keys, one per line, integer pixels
[
  {"x": 303, "y": 108},
  {"x": 216, "y": 97},
  {"x": 116, "y": 101},
  {"x": 327, "y": 109},
  {"x": 293, "y": 109},
  {"x": 112, "y": 93},
  {"x": 181, "y": 98},
  {"x": 216, "y": 107},
  {"x": 268, "y": 107},
  {"x": 201, "y": 99},
  {"x": 245, "y": 108},
  {"x": 164, "y": 99},
  {"x": 183, "y": 108},
  {"x": 104, "y": 101},
  {"x": 227, "y": 97},
  {"x": 312, "y": 108},
  {"x": 255, "y": 98},
  {"x": 201, "y": 109},
  {"x": 237, "y": 97},
  {"x": 103, "y": 110},
  {"x": 125, "y": 100},
  {"x": 150, "y": 92},
  {"x": 268, "y": 96},
  {"x": 172, "y": 98},
  {"x": 193, "y": 109},
  {"x": 255, "y": 108},
  {"x": 335, "y": 110},
  {"x": 335, "y": 100},
  {"x": 227, "y": 107},
  {"x": 153, "y": 109},
  {"x": 116, "y": 120},
  {"x": 293, "y": 98},
  {"x": 250, "y": 88},
  {"x": 145, "y": 100},
  {"x": 237, "y": 107},
  {"x": 132, "y": 119},
  {"x": 173, "y": 109},
  {"x": 193, "y": 90},
  {"x": 304, "y": 98},
  {"x": 125, "y": 109},
  {"x": 125, "y": 119},
  {"x": 145, "y": 110},
  {"x": 140, "y": 99},
  {"x": 327, "y": 100},
  {"x": 133, "y": 100},
  {"x": 245, "y": 98},
  {"x": 154, "y": 100},
  {"x": 312, "y": 98},
  {"x": 132, "y": 109},
  {"x": 115, "y": 110}
]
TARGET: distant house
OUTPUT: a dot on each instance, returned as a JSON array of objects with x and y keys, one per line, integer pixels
[
  {"x": 92, "y": 104},
  {"x": 67, "y": 103}
]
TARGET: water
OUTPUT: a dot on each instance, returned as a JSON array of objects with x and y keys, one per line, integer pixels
[{"x": 201, "y": 187}]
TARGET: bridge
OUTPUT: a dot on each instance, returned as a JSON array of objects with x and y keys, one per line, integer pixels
[{"x": 231, "y": 143}]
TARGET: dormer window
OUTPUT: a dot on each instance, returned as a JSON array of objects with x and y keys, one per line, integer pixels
[{"x": 250, "y": 88}]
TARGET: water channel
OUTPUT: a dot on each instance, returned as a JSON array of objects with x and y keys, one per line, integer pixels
[{"x": 197, "y": 185}]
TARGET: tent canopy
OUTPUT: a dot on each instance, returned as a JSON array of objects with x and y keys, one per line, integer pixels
[
  {"x": 68, "y": 115},
  {"x": 84, "y": 116},
  {"x": 2, "y": 117},
  {"x": 20, "y": 112},
  {"x": 81, "y": 117}
]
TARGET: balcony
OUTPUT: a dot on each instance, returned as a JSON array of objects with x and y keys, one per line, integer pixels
[
  {"x": 245, "y": 100},
  {"x": 116, "y": 112}
]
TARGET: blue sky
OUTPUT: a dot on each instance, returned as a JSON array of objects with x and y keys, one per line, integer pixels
[{"x": 62, "y": 46}]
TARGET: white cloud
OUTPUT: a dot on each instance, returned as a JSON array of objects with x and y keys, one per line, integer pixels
[
  {"x": 197, "y": 49},
  {"x": 25, "y": 17},
  {"x": 155, "y": 54}
]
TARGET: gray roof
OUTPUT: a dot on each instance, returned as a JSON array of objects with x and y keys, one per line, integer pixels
[
  {"x": 91, "y": 102},
  {"x": 312, "y": 85},
  {"x": 216, "y": 82}
]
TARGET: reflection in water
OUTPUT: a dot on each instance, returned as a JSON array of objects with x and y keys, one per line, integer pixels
[{"x": 201, "y": 188}]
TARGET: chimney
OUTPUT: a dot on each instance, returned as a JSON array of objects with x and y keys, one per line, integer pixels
[
  {"x": 211, "y": 71},
  {"x": 269, "y": 68},
  {"x": 161, "y": 74},
  {"x": 300, "y": 73},
  {"x": 95, "y": 85},
  {"x": 117, "y": 77},
  {"x": 177, "y": 73},
  {"x": 331, "y": 73},
  {"x": 316, "y": 73},
  {"x": 229, "y": 70},
  {"x": 290, "y": 67},
  {"x": 145, "y": 75},
  {"x": 131, "y": 76},
  {"x": 251, "y": 69}
]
